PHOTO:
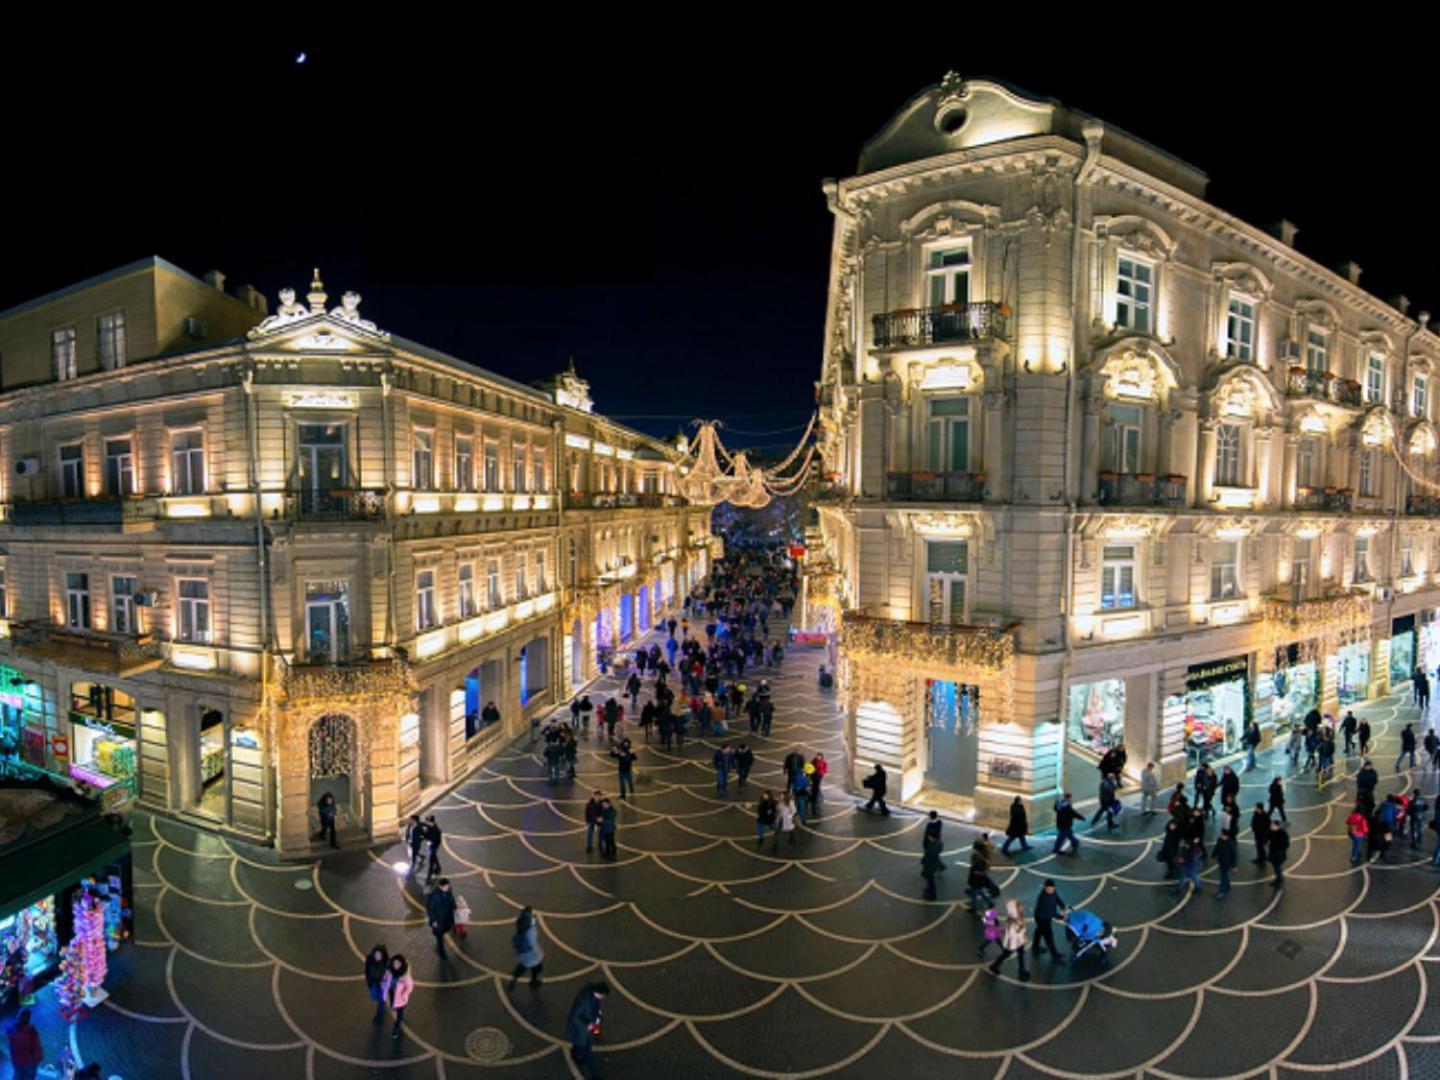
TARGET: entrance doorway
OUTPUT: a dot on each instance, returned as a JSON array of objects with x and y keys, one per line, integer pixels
[
  {"x": 575, "y": 645},
  {"x": 952, "y": 736},
  {"x": 210, "y": 798},
  {"x": 333, "y": 761}
]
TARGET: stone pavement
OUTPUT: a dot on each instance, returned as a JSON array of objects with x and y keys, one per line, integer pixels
[{"x": 725, "y": 960}]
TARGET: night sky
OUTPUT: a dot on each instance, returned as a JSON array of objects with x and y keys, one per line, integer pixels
[{"x": 655, "y": 213}]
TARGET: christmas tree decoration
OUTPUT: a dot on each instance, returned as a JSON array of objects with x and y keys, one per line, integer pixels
[{"x": 84, "y": 966}]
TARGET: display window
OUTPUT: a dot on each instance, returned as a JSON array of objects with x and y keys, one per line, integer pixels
[
  {"x": 1402, "y": 657},
  {"x": 1216, "y": 707},
  {"x": 1296, "y": 692},
  {"x": 1097, "y": 714},
  {"x": 28, "y": 944},
  {"x": 102, "y": 736},
  {"x": 1430, "y": 646},
  {"x": 1353, "y": 682}
]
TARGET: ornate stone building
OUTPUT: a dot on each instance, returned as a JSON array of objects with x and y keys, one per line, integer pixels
[
  {"x": 298, "y": 554},
  {"x": 1104, "y": 461}
]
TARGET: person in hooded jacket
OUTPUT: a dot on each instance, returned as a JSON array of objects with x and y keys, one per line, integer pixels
[
  {"x": 1017, "y": 828},
  {"x": 376, "y": 961},
  {"x": 396, "y": 988},
  {"x": 526, "y": 942}
]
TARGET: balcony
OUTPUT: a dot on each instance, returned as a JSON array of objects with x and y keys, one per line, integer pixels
[
  {"x": 335, "y": 504},
  {"x": 1140, "y": 489},
  {"x": 111, "y": 654},
  {"x": 935, "y": 486},
  {"x": 1324, "y": 386},
  {"x": 1323, "y": 498},
  {"x": 1422, "y": 505},
  {"x": 611, "y": 500},
  {"x": 911, "y": 327},
  {"x": 105, "y": 512}
]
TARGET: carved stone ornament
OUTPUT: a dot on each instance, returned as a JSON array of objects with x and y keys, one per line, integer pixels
[
  {"x": 1127, "y": 526},
  {"x": 943, "y": 524},
  {"x": 349, "y": 311},
  {"x": 952, "y": 88},
  {"x": 1134, "y": 376},
  {"x": 288, "y": 312}
]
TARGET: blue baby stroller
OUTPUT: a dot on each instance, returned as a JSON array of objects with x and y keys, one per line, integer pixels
[{"x": 1088, "y": 934}]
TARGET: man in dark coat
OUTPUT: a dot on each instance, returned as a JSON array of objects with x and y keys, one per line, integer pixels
[
  {"x": 1018, "y": 827},
  {"x": 1279, "y": 851},
  {"x": 440, "y": 910},
  {"x": 876, "y": 783},
  {"x": 1260, "y": 827},
  {"x": 1048, "y": 906},
  {"x": 1226, "y": 856},
  {"x": 744, "y": 762},
  {"x": 930, "y": 864},
  {"x": 579, "y": 1026}
]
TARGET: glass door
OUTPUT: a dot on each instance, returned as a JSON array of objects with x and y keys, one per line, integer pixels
[
  {"x": 327, "y": 622},
  {"x": 323, "y": 467}
]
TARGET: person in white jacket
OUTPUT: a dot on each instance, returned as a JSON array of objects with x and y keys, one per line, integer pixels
[
  {"x": 1014, "y": 939},
  {"x": 787, "y": 820}
]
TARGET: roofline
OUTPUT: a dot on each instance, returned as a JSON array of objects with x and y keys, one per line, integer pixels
[{"x": 151, "y": 262}]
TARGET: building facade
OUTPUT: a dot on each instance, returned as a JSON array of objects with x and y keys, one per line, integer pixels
[
  {"x": 241, "y": 573},
  {"x": 1103, "y": 462}
]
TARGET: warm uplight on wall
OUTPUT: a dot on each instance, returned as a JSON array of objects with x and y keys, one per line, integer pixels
[
  {"x": 425, "y": 504},
  {"x": 430, "y": 644},
  {"x": 493, "y": 503},
  {"x": 1120, "y": 627},
  {"x": 466, "y": 504},
  {"x": 1228, "y": 613},
  {"x": 1235, "y": 497},
  {"x": 188, "y": 510}
]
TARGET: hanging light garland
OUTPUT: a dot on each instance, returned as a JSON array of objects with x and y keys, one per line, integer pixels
[
  {"x": 974, "y": 655},
  {"x": 1318, "y": 627},
  {"x": 1409, "y": 470},
  {"x": 711, "y": 474}
]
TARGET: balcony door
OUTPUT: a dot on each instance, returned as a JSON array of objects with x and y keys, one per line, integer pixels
[
  {"x": 946, "y": 573},
  {"x": 948, "y": 435},
  {"x": 947, "y": 274},
  {"x": 327, "y": 621},
  {"x": 323, "y": 465}
]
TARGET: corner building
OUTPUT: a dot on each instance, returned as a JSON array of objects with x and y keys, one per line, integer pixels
[
  {"x": 247, "y": 557},
  {"x": 1103, "y": 462}
]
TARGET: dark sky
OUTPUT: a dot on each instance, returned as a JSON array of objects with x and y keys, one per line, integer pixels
[{"x": 654, "y": 211}]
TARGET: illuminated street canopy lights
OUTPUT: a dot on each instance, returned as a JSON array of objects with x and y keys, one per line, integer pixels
[{"x": 710, "y": 474}]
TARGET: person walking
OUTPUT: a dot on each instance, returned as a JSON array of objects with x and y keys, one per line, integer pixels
[
  {"x": 876, "y": 783},
  {"x": 608, "y": 820},
  {"x": 1149, "y": 789},
  {"x": 1357, "y": 827},
  {"x": 396, "y": 988},
  {"x": 786, "y": 812},
  {"x": 1279, "y": 851},
  {"x": 930, "y": 863},
  {"x": 1431, "y": 742},
  {"x": 1363, "y": 733},
  {"x": 581, "y": 1024},
  {"x": 1049, "y": 905},
  {"x": 1065, "y": 817},
  {"x": 1226, "y": 856},
  {"x": 767, "y": 714},
  {"x": 1190, "y": 866},
  {"x": 632, "y": 689},
  {"x": 793, "y": 763},
  {"x": 594, "y": 808},
  {"x": 433, "y": 839},
  {"x": 1366, "y": 780},
  {"x": 1407, "y": 746},
  {"x": 625, "y": 761},
  {"x": 376, "y": 961},
  {"x": 1013, "y": 940},
  {"x": 744, "y": 762},
  {"x": 1205, "y": 784},
  {"x": 766, "y": 814},
  {"x": 526, "y": 943},
  {"x": 1229, "y": 785},
  {"x": 1347, "y": 729},
  {"x": 992, "y": 930},
  {"x": 801, "y": 789},
  {"x": 1109, "y": 804},
  {"x": 722, "y": 761},
  {"x": 981, "y": 889},
  {"x": 1415, "y": 813},
  {"x": 1277, "y": 799},
  {"x": 1252, "y": 743},
  {"x": 1169, "y": 852},
  {"x": 1017, "y": 828},
  {"x": 327, "y": 810},
  {"x": 440, "y": 910},
  {"x": 822, "y": 770},
  {"x": 415, "y": 840},
  {"x": 26, "y": 1053}
]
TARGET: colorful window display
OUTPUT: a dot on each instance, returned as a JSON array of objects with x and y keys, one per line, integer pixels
[
  {"x": 1296, "y": 692},
  {"x": 1097, "y": 714},
  {"x": 952, "y": 715},
  {"x": 1216, "y": 704},
  {"x": 1353, "y": 677},
  {"x": 1430, "y": 646},
  {"x": 28, "y": 948},
  {"x": 102, "y": 736},
  {"x": 1402, "y": 649}
]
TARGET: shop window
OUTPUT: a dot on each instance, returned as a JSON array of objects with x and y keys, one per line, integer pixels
[
  {"x": 1224, "y": 569},
  {"x": 212, "y": 760},
  {"x": 1122, "y": 448},
  {"x": 72, "y": 469},
  {"x": 327, "y": 621},
  {"x": 1133, "y": 281},
  {"x": 464, "y": 463},
  {"x": 122, "y": 604},
  {"x": 187, "y": 462},
  {"x": 466, "y": 575},
  {"x": 1215, "y": 718},
  {"x": 947, "y": 275},
  {"x": 193, "y": 610},
  {"x": 1117, "y": 577},
  {"x": 119, "y": 467},
  {"x": 1097, "y": 714},
  {"x": 1362, "y": 558},
  {"x": 29, "y": 947},
  {"x": 102, "y": 735},
  {"x": 1227, "y": 455},
  {"x": 1240, "y": 329},
  {"x": 425, "y": 615},
  {"x": 946, "y": 574},
  {"x": 1295, "y": 690},
  {"x": 424, "y": 478},
  {"x": 948, "y": 447},
  {"x": 77, "y": 601}
]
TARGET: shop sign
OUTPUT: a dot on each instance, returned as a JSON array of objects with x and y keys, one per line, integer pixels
[
  {"x": 60, "y": 749},
  {"x": 15, "y": 701},
  {"x": 1200, "y": 676}
]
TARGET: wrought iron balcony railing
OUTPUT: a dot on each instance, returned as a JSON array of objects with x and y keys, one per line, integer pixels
[
  {"x": 335, "y": 504},
  {"x": 1323, "y": 498},
  {"x": 1324, "y": 386},
  {"x": 103, "y": 511},
  {"x": 934, "y": 325},
  {"x": 1140, "y": 489},
  {"x": 935, "y": 486},
  {"x": 1422, "y": 505}
]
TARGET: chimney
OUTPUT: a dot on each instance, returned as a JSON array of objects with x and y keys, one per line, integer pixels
[
  {"x": 216, "y": 279},
  {"x": 253, "y": 298},
  {"x": 1352, "y": 271},
  {"x": 1401, "y": 303},
  {"x": 1284, "y": 230}
]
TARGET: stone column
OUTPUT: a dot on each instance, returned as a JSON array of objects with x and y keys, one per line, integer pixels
[
  {"x": 1206, "y": 465},
  {"x": 1092, "y": 432},
  {"x": 1264, "y": 475},
  {"x": 992, "y": 457},
  {"x": 1142, "y": 722},
  {"x": 1291, "y": 469}
]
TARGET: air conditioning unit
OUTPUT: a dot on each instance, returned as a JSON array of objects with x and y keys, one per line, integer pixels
[
  {"x": 145, "y": 599},
  {"x": 27, "y": 466},
  {"x": 195, "y": 328},
  {"x": 1384, "y": 594},
  {"x": 1290, "y": 350}
]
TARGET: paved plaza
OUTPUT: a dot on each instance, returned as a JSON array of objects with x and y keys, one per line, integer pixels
[{"x": 726, "y": 960}]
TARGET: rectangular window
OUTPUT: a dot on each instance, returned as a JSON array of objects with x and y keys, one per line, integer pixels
[
  {"x": 327, "y": 621},
  {"x": 949, "y": 446},
  {"x": 1367, "y": 472},
  {"x": 1407, "y": 556},
  {"x": 1375, "y": 379},
  {"x": 538, "y": 469},
  {"x": 323, "y": 466},
  {"x": 1224, "y": 569},
  {"x": 425, "y": 600},
  {"x": 522, "y": 574},
  {"x": 1420, "y": 402},
  {"x": 1240, "y": 329},
  {"x": 946, "y": 569},
  {"x": 1132, "y": 294},
  {"x": 1308, "y": 462},
  {"x": 1300, "y": 567},
  {"x": 1123, "y": 452},
  {"x": 467, "y": 590},
  {"x": 947, "y": 273},
  {"x": 187, "y": 462},
  {"x": 493, "y": 599},
  {"x": 1227, "y": 455},
  {"x": 490, "y": 481},
  {"x": 1362, "y": 558},
  {"x": 517, "y": 468},
  {"x": 77, "y": 601},
  {"x": 72, "y": 469},
  {"x": 1317, "y": 351},
  {"x": 62, "y": 352},
  {"x": 119, "y": 467},
  {"x": 1117, "y": 577},
  {"x": 464, "y": 463},
  {"x": 424, "y": 477},
  {"x": 110, "y": 335},
  {"x": 541, "y": 586},
  {"x": 193, "y": 617},
  {"x": 4, "y": 599},
  {"x": 122, "y": 605}
]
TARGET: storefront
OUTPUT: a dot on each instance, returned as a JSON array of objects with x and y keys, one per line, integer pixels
[
  {"x": 1217, "y": 707},
  {"x": 1402, "y": 649},
  {"x": 1097, "y": 714},
  {"x": 22, "y": 719},
  {"x": 103, "y": 736},
  {"x": 952, "y": 736},
  {"x": 1352, "y": 680},
  {"x": 1429, "y": 634},
  {"x": 1294, "y": 689}
]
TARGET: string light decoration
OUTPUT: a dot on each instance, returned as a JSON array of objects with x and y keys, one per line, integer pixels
[
  {"x": 898, "y": 653},
  {"x": 823, "y": 598},
  {"x": 1318, "y": 628},
  {"x": 1415, "y": 477},
  {"x": 711, "y": 474}
]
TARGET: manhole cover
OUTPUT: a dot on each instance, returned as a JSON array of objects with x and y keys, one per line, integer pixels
[
  {"x": 1289, "y": 949},
  {"x": 304, "y": 883},
  {"x": 487, "y": 1044}
]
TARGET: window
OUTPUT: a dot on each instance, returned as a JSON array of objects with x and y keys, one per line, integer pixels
[
  {"x": 1123, "y": 452},
  {"x": 62, "y": 352},
  {"x": 490, "y": 481},
  {"x": 4, "y": 599},
  {"x": 1300, "y": 567},
  {"x": 1227, "y": 455},
  {"x": 540, "y": 584},
  {"x": 493, "y": 599},
  {"x": 72, "y": 468},
  {"x": 77, "y": 601},
  {"x": 323, "y": 466},
  {"x": 1224, "y": 569},
  {"x": 1317, "y": 351},
  {"x": 110, "y": 334},
  {"x": 464, "y": 463},
  {"x": 947, "y": 274},
  {"x": 467, "y": 590},
  {"x": 517, "y": 463},
  {"x": 1132, "y": 294},
  {"x": 946, "y": 568},
  {"x": 122, "y": 605},
  {"x": 650, "y": 483},
  {"x": 1362, "y": 558},
  {"x": 1367, "y": 472},
  {"x": 522, "y": 575},
  {"x": 119, "y": 467},
  {"x": 538, "y": 469},
  {"x": 949, "y": 447},
  {"x": 1375, "y": 379},
  {"x": 575, "y": 473},
  {"x": 1240, "y": 329},
  {"x": 327, "y": 621},
  {"x": 1308, "y": 462},
  {"x": 1407, "y": 556},
  {"x": 187, "y": 463},
  {"x": 425, "y": 600},
  {"x": 1117, "y": 577},
  {"x": 194, "y": 610},
  {"x": 424, "y": 478},
  {"x": 572, "y": 563},
  {"x": 1420, "y": 403}
]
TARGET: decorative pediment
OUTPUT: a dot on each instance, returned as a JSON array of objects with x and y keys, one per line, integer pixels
[
  {"x": 1231, "y": 527},
  {"x": 326, "y": 332},
  {"x": 1422, "y": 440},
  {"x": 1136, "y": 369},
  {"x": 1377, "y": 341},
  {"x": 1243, "y": 277},
  {"x": 1377, "y": 428},
  {"x": 1138, "y": 234},
  {"x": 1241, "y": 391},
  {"x": 1319, "y": 313},
  {"x": 951, "y": 217}
]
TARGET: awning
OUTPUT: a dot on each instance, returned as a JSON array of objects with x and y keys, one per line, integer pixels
[{"x": 45, "y": 869}]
